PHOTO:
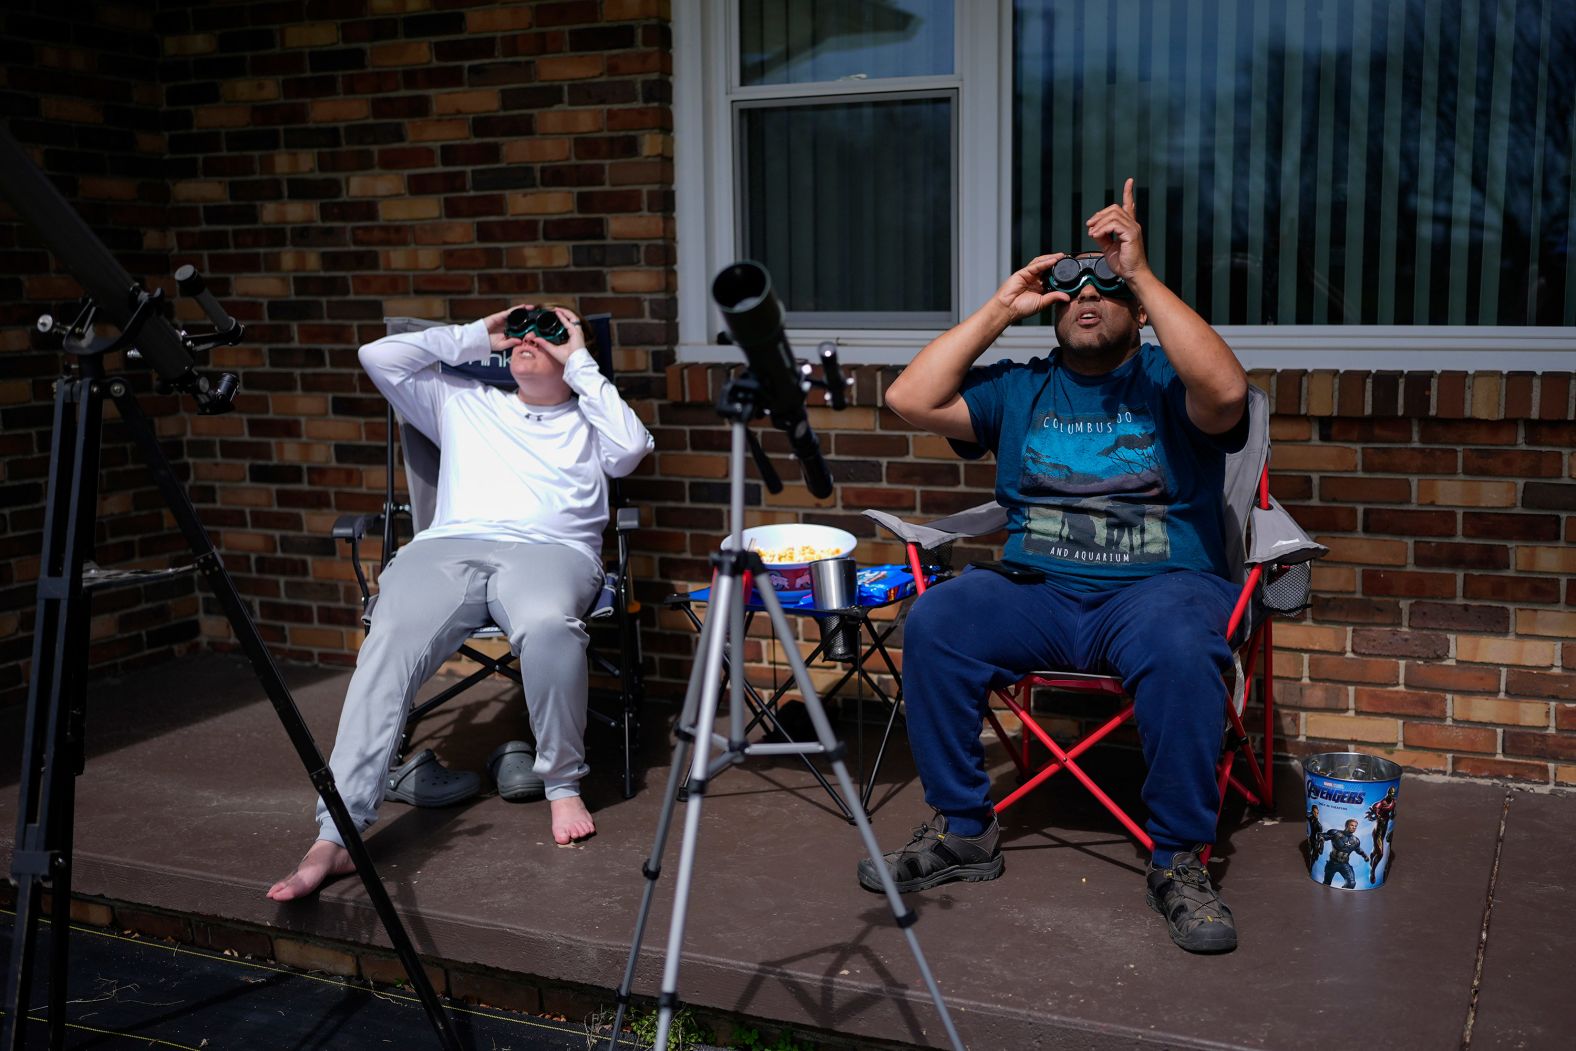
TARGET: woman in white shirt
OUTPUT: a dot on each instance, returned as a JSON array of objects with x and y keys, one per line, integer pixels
[{"x": 515, "y": 539}]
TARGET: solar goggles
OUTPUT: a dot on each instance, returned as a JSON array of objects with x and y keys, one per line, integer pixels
[
  {"x": 538, "y": 321},
  {"x": 1070, "y": 274}
]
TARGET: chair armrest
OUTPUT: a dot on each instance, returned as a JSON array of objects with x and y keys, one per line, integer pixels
[
  {"x": 351, "y": 528},
  {"x": 976, "y": 521},
  {"x": 354, "y": 527},
  {"x": 1275, "y": 537},
  {"x": 627, "y": 519}
]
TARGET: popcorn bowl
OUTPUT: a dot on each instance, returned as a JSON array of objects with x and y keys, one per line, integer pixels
[{"x": 789, "y": 548}]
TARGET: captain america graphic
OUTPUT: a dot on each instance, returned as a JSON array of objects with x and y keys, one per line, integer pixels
[
  {"x": 1099, "y": 487},
  {"x": 1342, "y": 846}
]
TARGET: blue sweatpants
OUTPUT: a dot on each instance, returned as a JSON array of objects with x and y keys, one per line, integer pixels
[{"x": 1165, "y": 638}]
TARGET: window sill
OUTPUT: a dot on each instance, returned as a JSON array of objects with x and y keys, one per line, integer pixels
[{"x": 1368, "y": 348}]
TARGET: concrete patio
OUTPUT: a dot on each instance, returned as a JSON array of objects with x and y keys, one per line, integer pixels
[{"x": 193, "y": 803}]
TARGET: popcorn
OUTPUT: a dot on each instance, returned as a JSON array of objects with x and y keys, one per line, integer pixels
[{"x": 793, "y": 553}]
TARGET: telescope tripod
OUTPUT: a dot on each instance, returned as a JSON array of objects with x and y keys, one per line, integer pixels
[
  {"x": 733, "y": 569},
  {"x": 52, "y": 743}
]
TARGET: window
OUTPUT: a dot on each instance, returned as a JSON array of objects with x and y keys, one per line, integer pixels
[
  {"x": 1330, "y": 182},
  {"x": 1311, "y": 163}
]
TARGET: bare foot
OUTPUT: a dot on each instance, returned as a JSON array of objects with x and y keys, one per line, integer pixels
[
  {"x": 323, "y": 859},
  {"x": 571, "y": 820}
]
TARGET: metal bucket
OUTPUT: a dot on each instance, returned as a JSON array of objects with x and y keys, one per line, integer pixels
[{"x": 1351, "y": 818}]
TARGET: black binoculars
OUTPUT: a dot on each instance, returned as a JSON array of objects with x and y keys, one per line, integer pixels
[
  {"x": 538, "y": 320},
  {"x": 1073, "y": 272}
]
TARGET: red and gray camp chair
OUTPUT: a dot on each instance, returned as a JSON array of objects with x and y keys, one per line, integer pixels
[{"x": 1273, "y": 557}]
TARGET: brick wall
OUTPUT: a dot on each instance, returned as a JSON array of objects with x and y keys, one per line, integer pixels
[
  {"x": 324, "y": 164},
  {"x": 327, "y": 163},
  {"x": 1441, "y": 632},
  {"x": 82, "y": 98},
  {"x": 391, "y": 158}
]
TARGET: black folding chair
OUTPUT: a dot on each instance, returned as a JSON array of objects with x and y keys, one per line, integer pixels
[{"x": 614, "y": 651}]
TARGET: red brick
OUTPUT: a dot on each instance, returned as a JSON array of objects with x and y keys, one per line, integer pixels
[
  {"x": 1331, "y": 668},
  {"x": 1540, "y": 744},
  {"x": 1461, "y": 556},
  {"x": 1508, "y": 526},
  {"x": 1401, "y": 702},
  {"x": 1554, "y": 686},
  {"x": 1380, "y": 642},
  {"x": 922, "y": 474},
  {"x": 1507, "y": 769},
  {"x": 1549, "y": 496},
  {"x": 1512, "y": 463},
  {"x": 1450, "y": 394},
  {"x": 1351, "y": 393},
  {"x": 1468, "y": 432},
  {"x": 1367, "y": 431},
  {"x": 1519, "y": 388},
  {"x": 1561, "y": 434},
  {"x": 1565, "y": 716},
  {"x": 1288, "y": 392},
  {"x": 1449, "y": 616},
  {"x": 1291, "y": 488},
  {"x": 1339, "y": 610},
  {"x": 1362, "y": 490},
  {"x": 1511, "y": 588},
  {"x": 1554, "y": 391},
  {"x": 1410, "y": 460},
  {"x": 1313, "y": 695},
  {"x": 1409, "y": 523},
  {"x": 1408, "y": 584},
  {"x": 1453, "y": 678},
  {"x": 1442, "y": 738}
]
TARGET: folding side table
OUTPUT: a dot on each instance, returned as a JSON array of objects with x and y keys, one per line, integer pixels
[{"x": 879, "y": 588}]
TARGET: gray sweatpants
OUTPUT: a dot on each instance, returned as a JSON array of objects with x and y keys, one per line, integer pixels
[{"x": 430, "y": 600}]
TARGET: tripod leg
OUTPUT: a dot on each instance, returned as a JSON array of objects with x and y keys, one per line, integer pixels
[
  {"x": 823, "y": 729},
  {"x": 49, "y": 763},
  {"x": 684, "y": 737},
  {"x": 273, "y": 683},
  {"x": 724, "y": 592}
]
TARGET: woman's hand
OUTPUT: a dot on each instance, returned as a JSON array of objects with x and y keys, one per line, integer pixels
[{"x": 500, "y": 343}]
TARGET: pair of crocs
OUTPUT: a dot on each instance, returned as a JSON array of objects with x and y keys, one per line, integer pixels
[{"x": 424, "y": 781}]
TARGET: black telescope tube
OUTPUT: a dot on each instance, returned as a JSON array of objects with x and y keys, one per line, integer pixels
[
  {"x": 190, "y": 282},
  {"x": 750, "y": 309},
  {"x": 38, "y": 204}
]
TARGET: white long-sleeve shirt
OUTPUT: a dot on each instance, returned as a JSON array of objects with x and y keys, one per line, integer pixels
[{"x": 510, "y": 471}]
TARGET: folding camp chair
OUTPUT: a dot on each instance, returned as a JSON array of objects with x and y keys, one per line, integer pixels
[
  {"x": 1274, "y": 571},
  {"x": 616, "y": 708}
]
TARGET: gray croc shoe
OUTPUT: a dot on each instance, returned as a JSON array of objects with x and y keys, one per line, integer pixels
[
  {"x": 423, "y": 781},
  {"x": 511, "y": 766}
]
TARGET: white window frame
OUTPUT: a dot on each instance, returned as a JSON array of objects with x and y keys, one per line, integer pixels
[{"x": 705, "y": 89}]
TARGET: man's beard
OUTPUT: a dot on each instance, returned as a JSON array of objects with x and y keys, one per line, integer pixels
[{"x": 1105, "y": 343}]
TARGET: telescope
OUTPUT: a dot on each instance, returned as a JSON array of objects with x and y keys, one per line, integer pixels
[
  {"x": 754, "y": 317},
  {"x": 113, "y": 293}
]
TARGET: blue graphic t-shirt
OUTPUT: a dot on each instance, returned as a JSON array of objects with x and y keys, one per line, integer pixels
[{"x": 1105, "y": 479}]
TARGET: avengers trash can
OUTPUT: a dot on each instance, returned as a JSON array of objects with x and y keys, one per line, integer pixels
[{"x": 1351, "y": 818}]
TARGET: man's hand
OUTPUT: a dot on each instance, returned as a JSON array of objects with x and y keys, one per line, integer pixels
[
  {"x": 1023, "y": 294},
  {"x": 1115, "y": 230}
]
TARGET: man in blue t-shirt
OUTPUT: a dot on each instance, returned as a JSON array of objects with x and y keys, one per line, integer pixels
[{"x": 1110, "y": 457}]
